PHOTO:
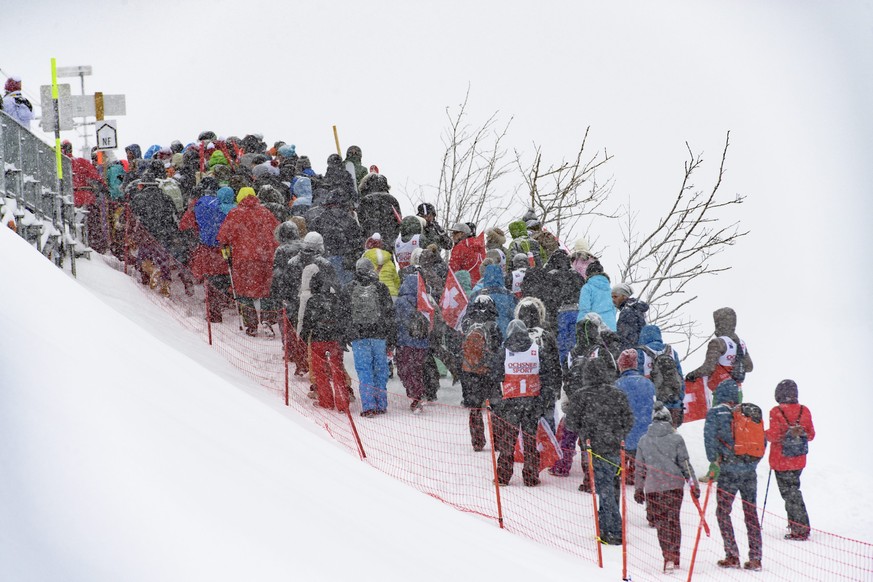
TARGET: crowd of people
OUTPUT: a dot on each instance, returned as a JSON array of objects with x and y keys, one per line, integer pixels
[{"x": 330, "y": 260}]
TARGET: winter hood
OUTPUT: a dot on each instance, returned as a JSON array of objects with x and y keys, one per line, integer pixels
[
  {"x": 517, "y": 337},
  {"x": 286, "y": 233},
  {"x": 517, "y": 229},
  {"x": 409, "y": 226},
  {"x": 493, "y": 276},
  {"x": 587, "y": 334},
  {"x": 303, "y": 191},
  {"x": 559, "y": 261},
  {"x": 532, "y": 311},
  {"x": 725, "y": 321},
  {"x": 727, "y": 391},
  {"x": 650, "y": 336},
  {"x": 226, "y": 198}
]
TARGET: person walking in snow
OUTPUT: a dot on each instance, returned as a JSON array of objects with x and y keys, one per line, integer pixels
[
  {"x": 654, "y": 357},
  {"x": 631, "y": 315},
  {"x": 640, "y": 394},
  {"x": 248, "y": 231},
  {"x": 733, "y": 474},
  {"x": 324, "y": 329},
  {"x": 378, "y": 210},
  {"x": 600, "y": 414},
  {"x": 722, "y": 351},
  {"x": 372, "y": 331},
  {"x": 790, "y": 429},
  {"x": 596, "y": 296},
  {"x": 481, "y": 351},
  {"x": 523, "y": 394},
  {"x": 412, "y": 342},
  {"x": 662, "y": 470},
  {"x": 14, "y": 104},
  {"x": 383, "y": 263}
]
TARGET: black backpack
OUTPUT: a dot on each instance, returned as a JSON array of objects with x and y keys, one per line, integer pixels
[
  {"x": 419, "y": 327},
  {"x": 738, "y": 370},
  {"x": 795, "y": 441},
  {"x": 665, "y": 376},
  {"x": 365, "y": 303}
]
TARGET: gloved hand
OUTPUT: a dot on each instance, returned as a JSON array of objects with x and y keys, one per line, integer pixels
[
  {"x": 225, "y": 252},
  {"x": 690, "y": 376},
  {"x": 695, "y": 489},
  {"x": 639, "y": 496},
  {"x": 714, "y": 471}
]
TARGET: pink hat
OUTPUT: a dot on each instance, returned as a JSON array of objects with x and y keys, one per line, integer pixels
[
  {"x": 627, "y": 360},
  {"x": 13, "y": 83}
]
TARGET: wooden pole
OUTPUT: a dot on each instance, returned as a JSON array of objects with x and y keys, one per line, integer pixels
[{"x": 336, "y": 139}]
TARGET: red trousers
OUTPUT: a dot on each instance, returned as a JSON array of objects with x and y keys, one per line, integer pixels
[{"x": 328, "y": 374}]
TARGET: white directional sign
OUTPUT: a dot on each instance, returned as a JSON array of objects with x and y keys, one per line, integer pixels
[
  {"x": 83, "y": 105},
  {"x": 48, "y": 108},
  {"x": 107, "y": 135}
]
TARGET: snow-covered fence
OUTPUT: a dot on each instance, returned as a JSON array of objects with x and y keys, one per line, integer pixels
[
  {"x": 29, "y": 177},
  {"x": 432, "y": 452}
]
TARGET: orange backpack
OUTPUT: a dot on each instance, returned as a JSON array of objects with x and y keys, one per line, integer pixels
[{"x": 748, "y": 431}]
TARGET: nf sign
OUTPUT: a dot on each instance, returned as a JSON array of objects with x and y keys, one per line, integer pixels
[{"x": 107, "y": 135}]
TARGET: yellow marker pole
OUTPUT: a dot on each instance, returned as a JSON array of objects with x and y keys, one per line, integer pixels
[
  {"x": 59, "y": 207},
  {"x": 336, "y": 139},
  {"x": 98, "y": 105}
]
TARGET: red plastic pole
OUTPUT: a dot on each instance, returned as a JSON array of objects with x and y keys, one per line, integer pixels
[
  {"x": 699, "y": 527},
  {"x": 594, "y": 501},
  {"x": 623, "y": 513},
  {"x": 361, "y": 452},
  {"x": 494, "y": 464},
  {"x": 208, "y": 319},
  {"x": 285, "y": 350}
]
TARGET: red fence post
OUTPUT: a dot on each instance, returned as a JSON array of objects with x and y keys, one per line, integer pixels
[
  {"x": 594, "y": 501},
  {"x": 208, "y": 319},
  {"x": 623, "y": 470},
  {"x": 700, "y": 527},
  {"x": 494, "y": 463},
  {"x": 285, "y": 349}
]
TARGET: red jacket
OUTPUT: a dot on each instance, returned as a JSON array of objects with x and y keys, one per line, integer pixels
[
  {"x": 248, "y": 230},
  {"x": 777, "y": 430},
  {"x": 467, "y": 255},
  {"x": 84, "y": 173}
]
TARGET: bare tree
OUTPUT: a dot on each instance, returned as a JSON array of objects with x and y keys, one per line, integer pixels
[
  {"x": 474, "y": 160},
  {"x": 564, "y": 193},
  {"x": 680, "y": 250}
]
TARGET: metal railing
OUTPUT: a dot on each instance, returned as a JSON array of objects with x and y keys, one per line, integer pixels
[{"x": 43, "y": 215}]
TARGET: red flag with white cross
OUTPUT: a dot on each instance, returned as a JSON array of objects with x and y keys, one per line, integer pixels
[{"x": 454, "y": 301}]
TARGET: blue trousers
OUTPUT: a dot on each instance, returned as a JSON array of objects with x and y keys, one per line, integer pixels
[
  {"x": 566, "y": 332},
  {"x": 604, "y": 480},
  {"x": 371, "y": 364}
]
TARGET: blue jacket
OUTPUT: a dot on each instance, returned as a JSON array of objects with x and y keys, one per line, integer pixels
[
  {"x": 209, "y": 217},
  {"x": 407, "y": 304},
  {"x": 596, "y": 296},
  {"x": 650, "y": 337},
  {"x": 303, "y": 191},
  {"x": 493, "y": 286},
  {"x": 641, "y": 396},
  {"x": 718, "y": 437}
]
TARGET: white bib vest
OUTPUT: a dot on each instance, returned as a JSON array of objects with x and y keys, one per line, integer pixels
[
  {"x": 403, "y": 250},
  {"x": 521, "y": 373},
  {"x": 517, "y": 278},
  {"x": 730, "y": 354}
]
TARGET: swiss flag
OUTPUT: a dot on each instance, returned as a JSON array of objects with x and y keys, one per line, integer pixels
[
  {"x": 547, "y": 445},
  {"x": 695, "y": 400},
  {"x": 424, "y": 305},
  {"x": 454, "y": 302}
]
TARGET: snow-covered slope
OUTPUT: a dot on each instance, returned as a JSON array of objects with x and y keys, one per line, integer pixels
[{"x": 124, "y": 459}]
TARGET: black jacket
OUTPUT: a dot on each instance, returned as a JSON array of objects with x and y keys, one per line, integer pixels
[
  {"x": 600, "y": 412},
  {"x": 385, "y": 326},
  {"x": 376, "y": 214}
]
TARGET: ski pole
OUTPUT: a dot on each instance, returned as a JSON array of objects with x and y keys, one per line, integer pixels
[
  {"x": 225, "y": 252},
  {"x": 766, "y": 493}
]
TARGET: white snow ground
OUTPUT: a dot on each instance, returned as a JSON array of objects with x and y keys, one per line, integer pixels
[{"x": 131, "y": 450}]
